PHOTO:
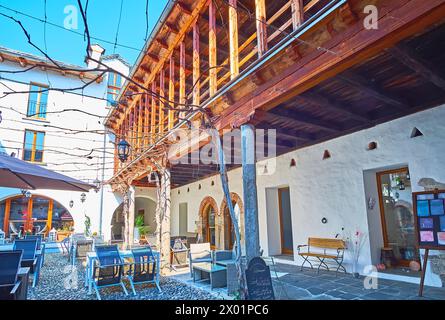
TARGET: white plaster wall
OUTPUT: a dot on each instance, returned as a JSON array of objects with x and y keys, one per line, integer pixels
[
  {"x": 64, "y": 153},
  {"x": 334, "y": 188}
]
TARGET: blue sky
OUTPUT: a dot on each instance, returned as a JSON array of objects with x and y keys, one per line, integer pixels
[{"x": 66, "y": 46}]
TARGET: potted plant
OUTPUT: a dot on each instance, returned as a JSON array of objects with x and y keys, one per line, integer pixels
[
  {"x": 87, "y": 226},
  {"x": 139, "y": 227}
]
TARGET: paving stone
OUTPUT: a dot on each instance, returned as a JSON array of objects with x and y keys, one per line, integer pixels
[{"x": 377, "y": 296}]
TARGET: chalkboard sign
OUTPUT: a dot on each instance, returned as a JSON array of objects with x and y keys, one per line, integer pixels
[
  {"x": 429, "y": 212},
  {"x": 259, "y": 282}
]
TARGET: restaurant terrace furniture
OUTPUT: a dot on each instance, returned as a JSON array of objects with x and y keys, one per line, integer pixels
[
  {"x": 178, "y": 252},
  {"x": 13, "y": 232},
  {"x": 224, "y": 257},
  {"x": 323, "y": 251},
  {"x": 31, "y": 257},
  {"x": 23, "y": 277},
  {"x": 199, "y": 252},
  {"x": 10, "y": 262},
  {"x": 40, "y": 245},
  {"x": 207, "y": 271},
  {"x": 108, "y": 269},
  {"x": 144, "y": 268}
]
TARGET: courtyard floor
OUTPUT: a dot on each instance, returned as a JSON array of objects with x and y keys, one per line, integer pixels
[{"x": 58, "y": 283}]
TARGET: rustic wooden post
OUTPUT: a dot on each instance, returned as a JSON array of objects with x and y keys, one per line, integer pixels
[
  {"x": 212, "y": 49},
  {"x": 261, "y": 26},
  {"x": 196, "y": 65},
  {"x": 250, "y": 191},
  {"x": 182, "y": 97},
  {"x": 171, "y": 93},
  {"x": 161, "y": 100},
  {"x": 297, "y": 13},
  {"x": 153, "y": 112},
  {"x": 233, "y": 39},
  {"x": 131, "y": 209},
  {"x": 164, "y": 226},
  {"x": 147, "y": 120}
]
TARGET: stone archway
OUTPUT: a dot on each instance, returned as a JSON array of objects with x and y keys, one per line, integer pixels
[
  {"x": 206, "y": 204},
  {"x": 225, "y": 220}
]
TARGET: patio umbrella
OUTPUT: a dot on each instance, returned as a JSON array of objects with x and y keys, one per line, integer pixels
[{"x": 15, "y": 173}]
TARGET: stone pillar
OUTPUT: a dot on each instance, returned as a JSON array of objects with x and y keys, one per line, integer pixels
[{"x": 250, "y": 192}]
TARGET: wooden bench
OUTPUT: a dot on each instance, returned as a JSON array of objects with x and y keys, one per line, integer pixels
[{"x": 328, "y": 250}]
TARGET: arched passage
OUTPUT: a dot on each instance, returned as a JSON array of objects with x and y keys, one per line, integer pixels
[
  {"x": 145, "y": 207},
  {"x": 207, "y": 229},
  {"x": 228, "y": 233},
  {"x": 36, "y": 214}
]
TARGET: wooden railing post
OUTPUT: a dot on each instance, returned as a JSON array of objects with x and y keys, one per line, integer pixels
[
  {"x": 297, "y": 13},
  {"x": 261, "y": 26},
  {"x": 233, "y": 39},
  {"x": 182, "y": 97},
  {"x": 161, "y": 99},
  {"x": 171, "y": 94},
  {"x": 196, "y": 65},
  {"x": 213, "y": 87},
  {"x": 153, "y": 111},
  {"x": 147, "y": 120}
]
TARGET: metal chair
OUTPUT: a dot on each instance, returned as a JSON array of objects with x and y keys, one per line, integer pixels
[
  {"x": 30, "y": 258},
  {"x": 40, "y": 245},
  {"x": 10, "y": 262},
  {"x": 108, "y": 270},
  {"x": 144, "y": 268}
]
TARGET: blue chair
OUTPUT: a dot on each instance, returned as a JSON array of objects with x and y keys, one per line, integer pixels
[
  {"x": 30, "y": 258},
  {"x": 10, "y": 262},
  {"x": 108, "y": 270},
  {"x": 144, "y": 268},
  {"x": 40, "y": 245}
]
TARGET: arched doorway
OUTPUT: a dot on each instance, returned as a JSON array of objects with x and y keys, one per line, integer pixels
[
  {"x": 36, "y": 214},
  {"x": 144, "y": 207},
  {"x": 229, "y": 231},
  {"x": 208, "y": 215}
]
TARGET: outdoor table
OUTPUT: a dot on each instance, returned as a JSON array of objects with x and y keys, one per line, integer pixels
[
  {"x": 206, "y": 271},
  {"x": 92, "y": 257},
  {"x": 23, "y": 276}
]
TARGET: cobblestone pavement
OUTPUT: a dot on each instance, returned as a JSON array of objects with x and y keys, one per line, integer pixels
[
  {"x": 306, "y": 284},
  {"x": 56, "y": 273}
]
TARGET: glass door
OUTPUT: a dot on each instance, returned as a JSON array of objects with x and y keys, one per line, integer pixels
[{"x": 397, "y": 216}]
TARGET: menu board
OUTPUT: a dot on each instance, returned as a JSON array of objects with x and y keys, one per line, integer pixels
[{"x": 429, "y": 211}]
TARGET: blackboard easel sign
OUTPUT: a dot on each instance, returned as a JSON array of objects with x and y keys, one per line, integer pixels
[
  {"x": 429, "y": 215},
  {"x": 259, "y": 281}
]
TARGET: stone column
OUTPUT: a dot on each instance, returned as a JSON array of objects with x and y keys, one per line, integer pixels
[
  {"x": 250, "y": 192},
  {"x": 164, "y": 205}
]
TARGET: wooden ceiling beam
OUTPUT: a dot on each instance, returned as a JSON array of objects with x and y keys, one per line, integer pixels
[
  {"x": 291, "y": 119},
  {"x": 370, "y": 88},
  {"x": 331, "y": 105},
  {"x": 412, "y": 60}
]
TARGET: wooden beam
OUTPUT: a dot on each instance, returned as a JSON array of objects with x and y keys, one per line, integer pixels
[
  {"x": 182, "y": 94},
  {"x": 196, "y": 65},
  {"x": 261, "y": 26},
  {"x": 292, "y": 120},
  {"x": 152, "y": 57},
  {"x": 184, "y": 8},
  {"x": 233, "y": 39},
  {"x": 297, "y": 13},
  {"x": 172, "y": 27},
  {"x": 213, "y": 86},
  {"x": 147, "y": 120},
  {"x": 171, "y": 94},
  {"x": 411, "y": 59},
  {"x": 361, "y": 83},
  {"x": 328, "y": 104},
  {"x": 161, "y": 100},
  {"x": 162, "y": 44}
]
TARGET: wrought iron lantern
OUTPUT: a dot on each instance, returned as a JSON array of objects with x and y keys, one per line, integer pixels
[
  {"x": 97, "y": 185},
  {"x": 26, "y": 193},
  {"x": 83, "y": 197},
  {"x": 71, "y": 203},
  {"x": 123, "y": 150}
]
